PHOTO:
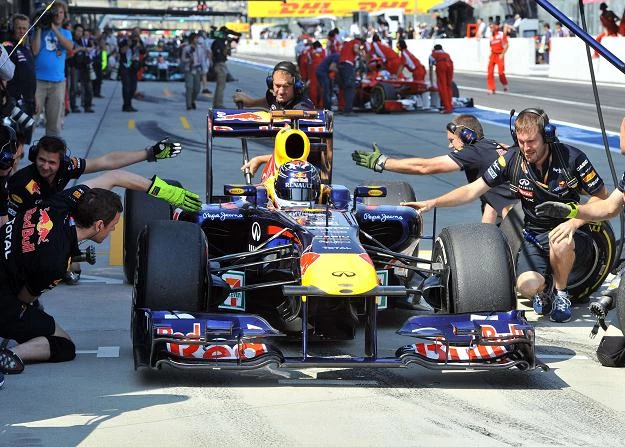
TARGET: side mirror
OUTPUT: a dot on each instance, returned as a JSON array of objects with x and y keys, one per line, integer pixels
[{"x": 368, "y": 191}]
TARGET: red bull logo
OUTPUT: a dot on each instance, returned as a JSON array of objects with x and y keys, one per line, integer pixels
[{"x": 44, "y": 226}]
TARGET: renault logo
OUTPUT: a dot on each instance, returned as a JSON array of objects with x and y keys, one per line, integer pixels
[{"x": 339, "y": 274}]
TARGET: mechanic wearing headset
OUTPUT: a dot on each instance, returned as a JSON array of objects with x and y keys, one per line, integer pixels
[
  {"x": 541, "y": 169},
  {"x": 471, "y": 153},
  {"x": 38, "y": 245},
  {"x": 284, "y": 92},
  {"x": 52, "y": 169}
]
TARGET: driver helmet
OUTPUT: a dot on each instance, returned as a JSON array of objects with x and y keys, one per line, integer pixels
[{"x": 297, "y": 184}]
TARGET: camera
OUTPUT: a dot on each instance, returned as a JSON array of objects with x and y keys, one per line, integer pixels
[
  {"x": 10, "y": 108},
  {"x": 46, "y": 17}
]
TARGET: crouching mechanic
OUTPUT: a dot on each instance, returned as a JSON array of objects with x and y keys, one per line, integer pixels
[
  {"x": 540, "y": 170},
  {"x": 38, "y": 245},
  {"x": 471, "y": 153}
]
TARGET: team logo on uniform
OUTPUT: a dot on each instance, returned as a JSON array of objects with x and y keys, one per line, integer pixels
[
  {"x": 44, "y": 226},
  {"x": 33, "y": 188},
  {"x": 501, "y": 161},
  {"x": 16, "y": 198}
]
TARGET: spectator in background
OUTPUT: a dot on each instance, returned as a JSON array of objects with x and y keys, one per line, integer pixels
[
  {"x": 50, "y": 46},
  {"x": 481, "y": 28},
  {"x": 99, "y": 65},
  {"x": 206, "y": 55},
  {"x": 192, "y": 62},
  {"x": 130, "y": 54},
  {"x": 516, "y": 24},
  {"x": 544, "y": 44},
  {"x": 83, "y": 64},
  {"x": 23, "y": 85},
  {"x": 560, "y": 31}
]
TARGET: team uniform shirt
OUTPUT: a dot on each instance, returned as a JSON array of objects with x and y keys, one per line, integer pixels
[
  {"x": 299, "y": 102},
  {"x": 412, "y": 63},
  {"x": 24, "y": 83},
  {"x": 498, "y": 41},
  {"x": 38, "y": 244},
  {"x": 347, "y": 54},
  {"x": 474, "y": 159},
  {"x": 567, "y": 173},
  {"x": 324, "y": 65},
  {"x": 27, "y": 188}
]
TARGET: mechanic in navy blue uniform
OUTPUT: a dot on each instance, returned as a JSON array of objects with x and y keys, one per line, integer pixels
[
  {"x": 285, "y": 91},
  {"x": 37, "y": 249},
  {"x": 327, "y": 66},
  {"x": 471, "y": 153},
  {"x": 8, "y": 158},
  {"x": 52, "y": 168},
  {"x": 540, "y": 170}
]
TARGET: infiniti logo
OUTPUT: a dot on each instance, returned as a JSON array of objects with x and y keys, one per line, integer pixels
[{"x": 339, "y": 274}]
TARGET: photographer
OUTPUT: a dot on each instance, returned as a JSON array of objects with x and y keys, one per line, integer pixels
[
  {"x": 221, "y": 50},
  {"x": 192, "y": 63},
  {"x": 24, "y": 83},
  {"x": 50, "y": 46}
]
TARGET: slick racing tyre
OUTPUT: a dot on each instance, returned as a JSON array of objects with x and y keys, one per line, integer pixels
[
  {"x": 396, "y": 192},
  {"x": 478, "y": 275},
  {"x": 139, "y": 210},
  {"x": 603, "y": 253},
  {"x": 171, "y": 267},
  {"x": 381, "y": 93}
]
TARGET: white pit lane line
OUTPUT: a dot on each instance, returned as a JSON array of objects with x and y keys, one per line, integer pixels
[{"x": 102, "y": 352}]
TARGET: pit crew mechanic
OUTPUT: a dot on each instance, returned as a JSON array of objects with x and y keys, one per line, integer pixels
[
  {"x": 9, "y": 154},
  {"x": 52, "y": 168},
  {"x": 541, "y": 170},
  {"x": 471, "y": 153},
  {"x": 284, "y": 92},
  {"x": 38, "y": 245}
]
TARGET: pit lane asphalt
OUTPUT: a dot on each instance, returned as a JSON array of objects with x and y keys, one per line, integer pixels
[{"x": 98, "y": 399}]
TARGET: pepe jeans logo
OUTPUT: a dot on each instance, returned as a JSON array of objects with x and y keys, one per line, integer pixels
[{"x": 341, "y": 274}]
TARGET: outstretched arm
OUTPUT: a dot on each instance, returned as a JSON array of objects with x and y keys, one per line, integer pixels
[
  {"x": 114, "y": 160},
  {"x": 459, "y": 196},
  {"x": 593, "y": 210},
  {"x": 156, "y": 187},
  {"x": 379, "y": 162}
]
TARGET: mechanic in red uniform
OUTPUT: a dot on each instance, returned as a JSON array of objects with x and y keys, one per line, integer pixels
[
  {"x": 391, "y": 60},
  {"x": 37, "y": 248},
  {"x": 349, "y": 56},
  {"x": 444, "y": 76},
  {"x": 411, "y": 62},
  {"x": 302, "y": 60},
  {"x": 498, "y": 48},
  {"x": 315, "y": 56},
  {"x": 608, "y": 22},
  {"x": 470, "y": 152}
]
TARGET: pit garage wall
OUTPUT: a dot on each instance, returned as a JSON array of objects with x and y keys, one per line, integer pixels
[{"x": 567, "y": 59}]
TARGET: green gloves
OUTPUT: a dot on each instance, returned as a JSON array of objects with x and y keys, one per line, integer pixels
[
  {"x": 373, "y": 160},
  {"x": 558, "y": 210},
  {"x": 163, "y": 149},
  {"x": 174, "y": 195}
]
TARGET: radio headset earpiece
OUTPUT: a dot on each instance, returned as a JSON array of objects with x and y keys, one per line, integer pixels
[
  {"x": 291, "y": 69},
  {"x": 466, "y": 134},
  {"x": 548, "y": 129},
  {"x": 34, "y": 150}
]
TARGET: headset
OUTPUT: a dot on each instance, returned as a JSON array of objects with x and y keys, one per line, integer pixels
[
  {"x": 33, "y": 151},
  {"x": 466, "y": 134},
  {"x": 9, "y": 148},
  {"x": 291, "y": 69},
  {"x": 548, "y": 130}
]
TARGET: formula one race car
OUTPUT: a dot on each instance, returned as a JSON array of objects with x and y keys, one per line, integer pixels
[{"x": 215, "y": 288}]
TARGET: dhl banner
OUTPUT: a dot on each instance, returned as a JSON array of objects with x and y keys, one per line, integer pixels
[{"x": 338, "y": 8}]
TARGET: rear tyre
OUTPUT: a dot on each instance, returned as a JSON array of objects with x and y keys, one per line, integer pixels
[
  {"x": 475, "y": 280},
  {"x": 381, "y": 93}
]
